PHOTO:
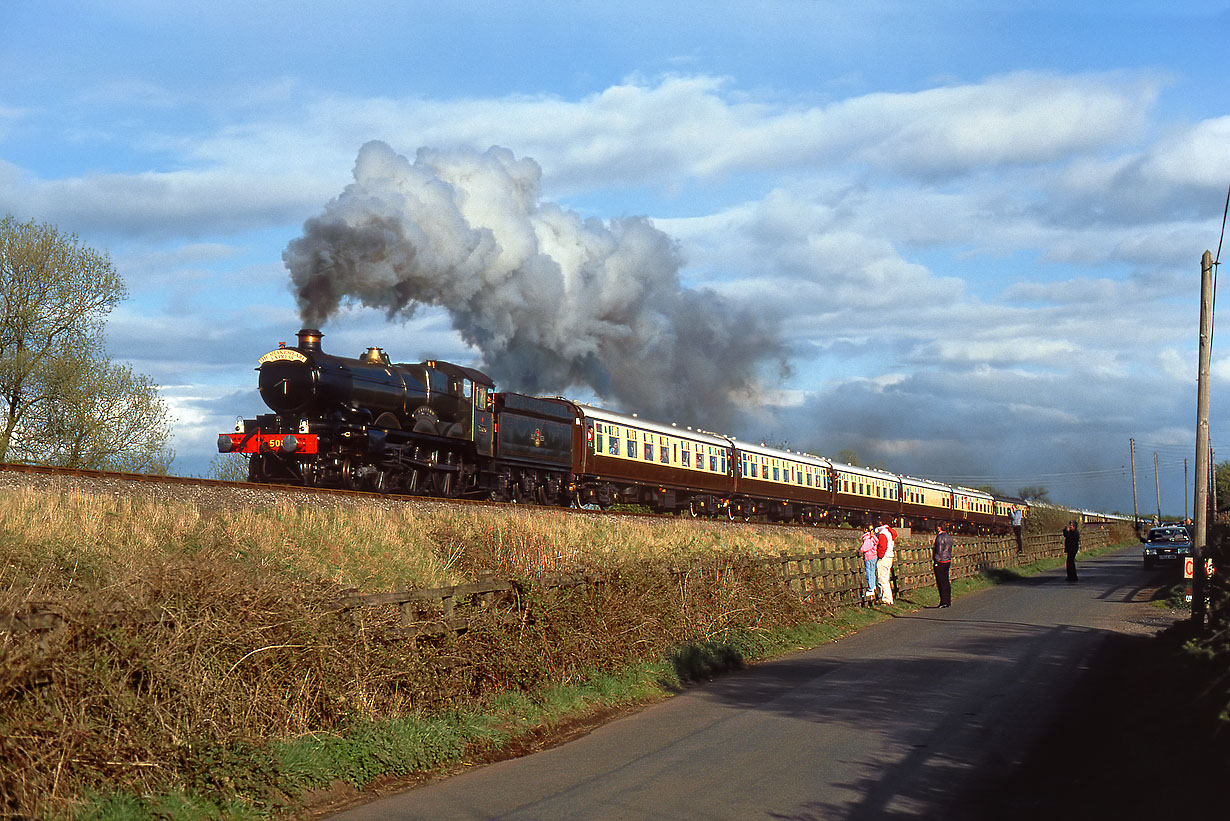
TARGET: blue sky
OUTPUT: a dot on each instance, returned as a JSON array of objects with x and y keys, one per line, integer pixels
[{"x": 970, "y": 231}]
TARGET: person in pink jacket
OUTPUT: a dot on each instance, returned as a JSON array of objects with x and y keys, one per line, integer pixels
[{"x": 869, "y": 549}]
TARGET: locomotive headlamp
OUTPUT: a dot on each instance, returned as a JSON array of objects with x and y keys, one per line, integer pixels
[
  {"x": 225, "y": 443},
  {"x": 289, "y": 443}
]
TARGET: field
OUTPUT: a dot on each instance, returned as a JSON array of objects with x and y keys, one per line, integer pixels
[{"x": 187, "y": 660}]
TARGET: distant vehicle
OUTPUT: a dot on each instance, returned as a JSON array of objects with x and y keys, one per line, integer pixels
[{"x": 1167, "y": 545}]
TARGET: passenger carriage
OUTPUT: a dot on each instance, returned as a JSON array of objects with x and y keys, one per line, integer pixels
[
  {"x": 781, "y": 485},
  {"x": 924, "y": 502},
  {"x": 625, "y": 459},
  {"x": 865, "y": 495},
  {"x": 973, "y": 510}
]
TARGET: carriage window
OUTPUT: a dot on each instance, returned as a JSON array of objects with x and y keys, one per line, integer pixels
[
  {"x": 777, "y": 476},
  {"x": 614, "y": 445},
  {"x": 686, "y": 457},
  {"x": 598, "y": 439},
  {"x": 649, "y": 447},
  {"x": 664, "y": 454},
  {"x": 631, "y": 448}
]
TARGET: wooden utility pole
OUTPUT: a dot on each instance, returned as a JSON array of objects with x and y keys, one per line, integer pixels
[
  {"x": 1185, "y": 491},
  {"x": 1201, "y": 508},
  {"x": 1135, "y": 509},
  {"x": 1157, "y": 487}
]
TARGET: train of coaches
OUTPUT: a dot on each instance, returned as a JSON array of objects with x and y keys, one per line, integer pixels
[{"x": 440, "y": 429}]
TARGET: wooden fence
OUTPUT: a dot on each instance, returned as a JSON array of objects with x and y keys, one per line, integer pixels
[
  {"x": 834, "y": 576},
  {"x": 837, "y": 575}
]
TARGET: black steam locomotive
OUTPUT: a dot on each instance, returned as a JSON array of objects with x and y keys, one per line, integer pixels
[
  {"x": 428, "y": 428},
  {"x": 439, "y": 429}
]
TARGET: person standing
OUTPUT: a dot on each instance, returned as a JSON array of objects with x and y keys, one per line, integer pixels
[
  {"x": 1071, "y": 544},
  {"x": 886, "y": 538},
  {"x": 869, "y": 550},
  {"x": 941, "y": 560},
  {"x": 1016, "y": 528}
]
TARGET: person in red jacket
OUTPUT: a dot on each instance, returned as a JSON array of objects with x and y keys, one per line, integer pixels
[{"x": 887, "y": 538}]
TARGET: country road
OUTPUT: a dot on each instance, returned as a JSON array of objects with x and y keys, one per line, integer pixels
[{"x": 901, "y": 720}]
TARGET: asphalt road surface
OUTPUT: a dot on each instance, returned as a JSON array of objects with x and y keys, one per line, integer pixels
[{"x": 901, "y": 720}]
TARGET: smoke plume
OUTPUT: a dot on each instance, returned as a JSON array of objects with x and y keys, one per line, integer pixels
[{"x": 551, "y": 300}]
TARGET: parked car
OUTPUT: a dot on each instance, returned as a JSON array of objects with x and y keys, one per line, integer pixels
[{"x": 1166, "y": 545}]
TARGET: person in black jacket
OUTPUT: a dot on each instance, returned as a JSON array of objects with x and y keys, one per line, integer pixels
[
  {"x": 1071, "y": 544},
  {"x": 941, "y": 559}
]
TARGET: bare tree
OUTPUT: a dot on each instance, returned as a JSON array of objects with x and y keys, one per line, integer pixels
[
  {"x": 1034, "y": 493},
  {"x": 228, "y": 467},
  {"x": 64, "y": 401}
]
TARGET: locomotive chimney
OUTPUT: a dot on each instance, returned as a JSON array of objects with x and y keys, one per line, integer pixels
[{"x": 309, "y": 339}]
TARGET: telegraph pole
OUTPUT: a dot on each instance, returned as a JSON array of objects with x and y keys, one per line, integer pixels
[
  {"x": 1201, "y": 508},
  {"x": 1157, "y": 486},
  {"x": 1135, "y": 509},
  {"x": 1185, "y": 491}
]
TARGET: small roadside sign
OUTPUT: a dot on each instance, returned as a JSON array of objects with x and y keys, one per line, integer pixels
[{"x": 1189, "y": 567}]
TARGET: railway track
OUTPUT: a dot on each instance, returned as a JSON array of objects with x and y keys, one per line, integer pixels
[{"x": 212, "y": 493}]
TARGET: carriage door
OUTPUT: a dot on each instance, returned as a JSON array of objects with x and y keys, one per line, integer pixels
[{"x": 483, "y": 419}]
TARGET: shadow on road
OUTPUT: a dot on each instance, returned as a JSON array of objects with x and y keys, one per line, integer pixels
[
  {"x": 963, "y": 702},
  {"x": 991, "y": 719}
]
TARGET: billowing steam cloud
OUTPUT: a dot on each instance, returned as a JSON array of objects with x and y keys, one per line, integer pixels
[{"x": 552, "y": 301}]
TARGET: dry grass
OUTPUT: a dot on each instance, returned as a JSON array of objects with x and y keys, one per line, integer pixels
[
  {"x": 190, "y": 639},
  {"x": 194, "y": 643}
]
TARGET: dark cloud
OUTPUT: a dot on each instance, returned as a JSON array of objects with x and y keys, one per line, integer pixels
[
  {"x": 554, "y": 302},
  {"x": 995, "y": 428}
]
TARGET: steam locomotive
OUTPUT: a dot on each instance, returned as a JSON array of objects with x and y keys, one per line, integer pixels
[{"x": 439, "y": 429}]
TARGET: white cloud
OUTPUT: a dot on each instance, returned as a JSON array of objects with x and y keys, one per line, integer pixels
[{"x": 1192, "y": 157}]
